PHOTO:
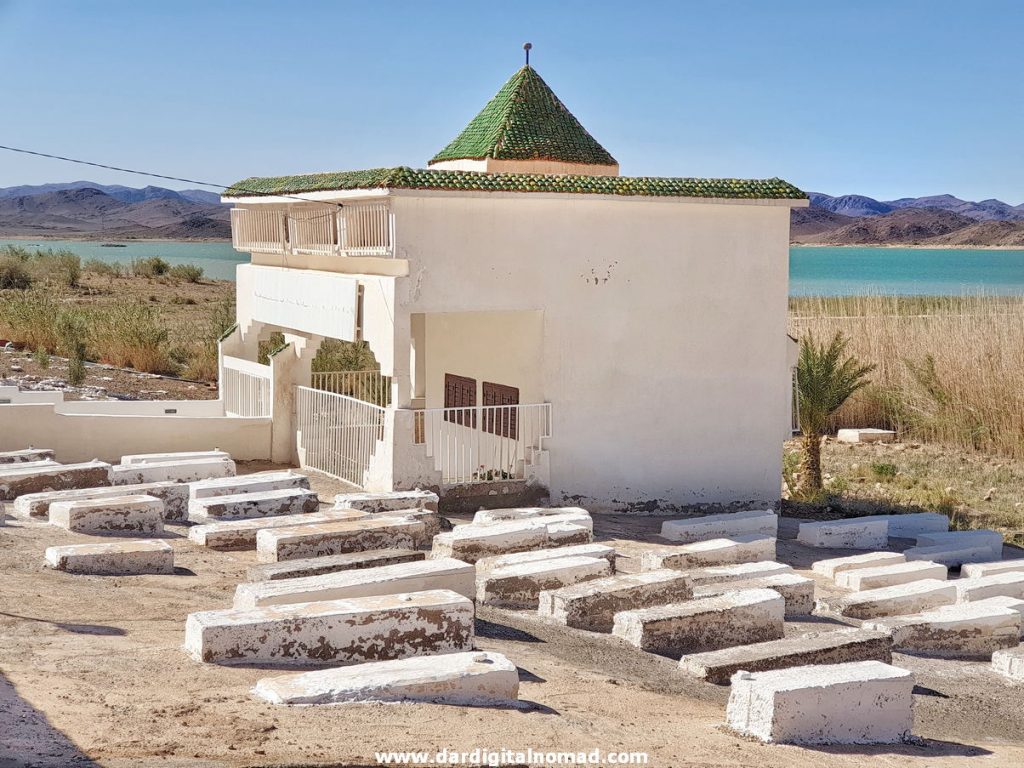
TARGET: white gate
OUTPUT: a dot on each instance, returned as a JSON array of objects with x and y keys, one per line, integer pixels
[{"x": 341, "y": 436}]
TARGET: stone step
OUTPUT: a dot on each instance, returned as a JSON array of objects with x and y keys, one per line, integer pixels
[
  {"x": 834, "y": 647},
  {"x": 471, "y": 542},
  {"x": 976, "y": 570},
  {"x": 490, "y": 516},
  {"x": 120, "y": 558},
  {"x": 26, "y": 455},
  {"x": 1013, "y": 603},
  {"x": 953, "y": 539},
  {"x": 861, "y": 702},
  {"x": 173, "y": 495},
  {"x": 258, "y": 481},
  {"x": 150, "y": 458},
  {"x": 718, "y": 574},
  {"x": 592, "y": 604},
  {"x": 850, "y": 533},
  {"x": 763, "y": 522},
  {"x": 950, "y": 556},
  {"x": 487, "y": 564},
  {"x": 891, "y": 575},
  {"x": 915, "y": 597},
  {"x": 375, "y": 503},
  {"x": 416, "y": 576},
  {"x": 1009, "y": 663},
  {"x": 836, "y": 565},
  {"x": 796, "y": 590},
  {"x": 317, "y": 566},
  {"x": 237, "y": 535},
  {"x": 474, "y": 678},
  {"x": 319, "y": 539},
  {"x": 114, "y": 515},
  {"x": 706, "y": 624},
  {"x": 349, "y": 631},
  {"x": 914, "y": 524},
  {"x": 972, "y": 630},
  {"x": 1010, "y": 584},
  {"x": 171, "y": 471},
  {"x": 59, "y": 477},
  {"x": 258, "y": 504},
  {"x": 730, "y": 551},
  {"x": 519, "y": 586}
]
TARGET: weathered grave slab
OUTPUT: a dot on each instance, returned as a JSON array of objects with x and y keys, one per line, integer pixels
[
  {"x": 114, "y": 515},
  {"x": 836, "y": 565},
  {"x": 891, "y": 575},
  {"x": 971, "y": 630},
  {"x": 241, "y": 534},
  {"x": 26, "y": 455},
  {"x": 915, "y": 597},
  {"x": 150, "y": 458},
  {"x": 717, "y": 574},
  {"x": 519, "y": 586},
  {"x": 258, "y": 481},
  {"x": 746, "y": 548},
  {"x": 171, "y": 471},
  {"x": 866, "y": 436},
  {"x": 58, "y": 477},
  {"x": 489, "y": 516},
  {"x": 763, "y": 522},
  {"x": 120, "y": 558},
  {"x": 173, "y": 495},
  {"x": 851, "y": 533},
  {"x": 487, "y": 564},
  {"x": 376, "y": 503},
  {"x": 949, "y": 555},
  {"x": 246, "y": 506},
  {"x": 472, "y": 542},
  {"x": 1013, "y": 603},
  {"x": 796, "y": 590},
  {"x": 953, "y": 539},
  {"x": 1009, "y": 663},
  {"x": 317, "y": 566},
  {"x": 318, "y": 539},
  {"x": 25, "y": 466},
  {"x": 976, "y": 570},
  {"x": 914, "y": 524},
  {"x": 1009, "y": 584}
]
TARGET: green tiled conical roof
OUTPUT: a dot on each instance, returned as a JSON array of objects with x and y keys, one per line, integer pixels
[{"x": 526, "y": 121}]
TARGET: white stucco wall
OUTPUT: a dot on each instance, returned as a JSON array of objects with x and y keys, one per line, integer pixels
[{"x": 664, "y": 332}]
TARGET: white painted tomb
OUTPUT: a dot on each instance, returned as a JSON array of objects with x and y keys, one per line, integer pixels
[
  {"x": 951, "y": 555},
  {"x": 173, "y": 495},
  {"x": 171, "y": 471},
  {"x": 992, "y": 539},
  {"x": 976, "y": 570},
  {"x": 850, "y": 533},
  {"x": 520, "y": 585},
  {"x": 796, "y": 590},
  {"x": 971, "y": 630},
  {"x": 317, "y": 566},
  {"x": 763, "y": 522},
  {"x": 870, "y": 435},
  {"x": 336, "y": 538},
  {"x": 119, "y": 558},
  {"x": 387, "y": 501},
  {"x": 258, "y": 481},
  {"x": 1008, "y": 584},
  {"x": 245, "y": 506},
  {"x": 891, "y": 575},
  {"x": 58, "y": 477},
  {"x": 836, "y": 565},
  {"x": 26, "y": 455},
  {"x": 1009, "y": 663},
  {"x": 241, "y": 534},
  {"x": 150, "y": 458},
  {"x": 487, "y": 564},
  {"x": 745, "y": 548},
  {"x": 116, "y": 515},
  {"x": 915, "y": 597},
  {"x": 739, "y": 572}
]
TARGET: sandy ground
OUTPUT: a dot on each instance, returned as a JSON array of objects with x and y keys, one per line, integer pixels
[{"x": 92, "y": 673}]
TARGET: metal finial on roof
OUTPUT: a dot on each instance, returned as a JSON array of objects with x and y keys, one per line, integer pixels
[{"x": 527, "y": 47}]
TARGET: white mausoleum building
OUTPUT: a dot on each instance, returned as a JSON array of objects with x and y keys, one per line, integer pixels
[{"x": 541, "y": 323}]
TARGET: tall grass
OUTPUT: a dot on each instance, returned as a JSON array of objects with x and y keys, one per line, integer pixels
[
  {"x": 22, "y": 268},
  {"x": 949, "y": 369}
]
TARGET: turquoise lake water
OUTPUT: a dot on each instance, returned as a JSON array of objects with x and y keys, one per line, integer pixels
[{"x": 813, "y": 271}]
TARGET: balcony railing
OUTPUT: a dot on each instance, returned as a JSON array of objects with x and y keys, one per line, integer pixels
[{"x": 364, "y": 229}]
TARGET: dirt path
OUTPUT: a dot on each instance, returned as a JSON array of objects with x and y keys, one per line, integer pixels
[{"x": 92, "y": 673}]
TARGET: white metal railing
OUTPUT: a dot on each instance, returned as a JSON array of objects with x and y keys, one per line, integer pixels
[
  {"x": 359, "y": 229},
  {"x": 483, "y": 443},
  {"x": 246, "y": 388},
  {"x": 368, "y": 386},
  {"x": 341, "y": 436}
]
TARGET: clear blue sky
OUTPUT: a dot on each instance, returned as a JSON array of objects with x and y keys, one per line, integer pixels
[{"x": 889, "y": 99}]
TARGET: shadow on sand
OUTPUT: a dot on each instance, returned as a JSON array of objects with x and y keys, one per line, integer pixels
[
  {"x": 78, "y": 629},
  {"x": 30, "y": 739}
]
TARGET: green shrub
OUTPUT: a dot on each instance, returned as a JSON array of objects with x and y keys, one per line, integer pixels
[
  {"x": 72, "y": 330},
  {"x": 151, "y": 266},
  {"x": 104, "y": 268},
  {"x": 883, "y": 470},
  {"x": 42, "y": 357},
  {"x": 60, "y": 267},
  {"x": 14, "y": 273},
  {"x": 190, "y": 273}
]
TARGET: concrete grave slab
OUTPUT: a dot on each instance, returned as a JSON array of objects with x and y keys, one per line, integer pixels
[
  {"x": 1008, "y": 584},
  {"x": 1013, "y": 603},
  {"x": 914, "y": 524},
  {"x": 120, "y": 558},
  {"x": 416, "y": 576},
  {"x": 26, "y": 455},
  {"x": 173, "y": 495},
  {"x": 317, "y": 566},
  {"x": 258, "y": 481},
  {"x": 834, "y": 647},
  {"x": 951, "y": 555},
  {"x": 972, "y": 630},
  {"x": 707, "y": 624},
  {"x": 114, "y": 515},
  {"x": 866, "y": 436},
  {"x": 246, "y": 506},
  {"x": 376, "y": 503},
  {"x": 738, "y": 549},
  {"x": 474, "y": 678},
  {"x": 718, "y": 574},
  {"x": 976, "y": 570},
  {"x": 471, "y": 542},
  {"x": 592, "y": 605},
  {"x": 796, "y": 590},
  {"x": 520, "y": 585},
  {"x": 915, "y": 597},
  {"x": 487, "y": 564},
  {"x": 851, "y": 533},
  {"x": 350, "y": 631},
  {"x": 891, "y": 575},
  {"x": 241, "y": 534},
  {"x": 24, "y": 466},
  {"x": 763, "y": 522},
  {"x": 862, "y": 702},
  {"x": 58, "y": 477},
  {"x": 185, "y": 471},
  {"x": 836, "y": 565},
  {"x": 952, "y": 539},
  {"x": 336, "y": 538},
  {"x": 1009, "y": 663},
  {"x": 150, "y": 458},
  {"x": 489, "y": 516}
]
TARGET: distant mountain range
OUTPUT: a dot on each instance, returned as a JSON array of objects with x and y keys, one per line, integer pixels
[
  {"x": 98, "y": 211},
  {"x": 941, "y": 220}
]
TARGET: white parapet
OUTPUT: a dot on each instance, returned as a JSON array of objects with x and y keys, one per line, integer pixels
[
  {"x": 171, "y": 471},
  {"x": 150, "y": 458},
  {"x": 120, "y": 558},
  {"x": 375, "y": 503},
  {"x": 115, "y": 515},
  {"x": 173, "y": 495},
  {"x": 317, "y": 566},
  {"x": 1009, "y": 584},
  {"x": 241, "y": 534},
  {"x": 56, "y": 477},
  {"x": 954, "y": 539},
  {"x": 763, "y": 522},
  {"x": 258, "y": 481},
  {"x": 416, "y": 576},
  {"x": 26, "y": 455},
  {"x": 870, "y": 435},
  {"x": 487, "y": 564},
  {"x": 301, "y": 541},
  {"x": 707, "y": 624},
  {"x": 745, "y": 548},
  {"x": 891, "y": 575},
  {"x": 349, "y": 631},
  {"x": 850, "y": 533},
  {"x": 592, "y": 605},
  {"x": 519, "y": 586},
  {"x": 954, "y": 631},
  {"x": 951, "y": 555},
  {"x": 471, "y": 542},
  {"x": 489, "y": 516},
  {"x": 245, "y": 506},
  {"x": 473, "y": 678},
  {"x": 1009, "y": 663},
  {"x": 915, "y": 597},
  {"x": 914, "y": 524},
  {"x": 836, "y": 565},
  {"x": 976, "y": 570},
  {"x": 861, "y": 702},
  {"x": 838, "y": 646},
  {"x": 740, "y": 572},
  {"x": 796, "y": 590}
]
